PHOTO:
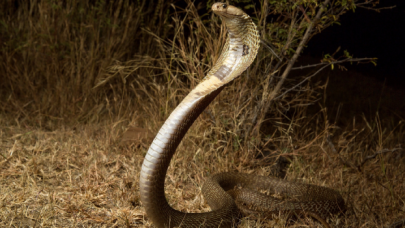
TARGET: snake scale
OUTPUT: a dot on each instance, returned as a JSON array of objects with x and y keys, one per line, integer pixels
[{"x": 228, "y": 194}]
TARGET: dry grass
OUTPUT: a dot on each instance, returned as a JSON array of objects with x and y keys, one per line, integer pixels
[
  {"x": 84, "y": 176},
  {"x": 73, "y": 85}
]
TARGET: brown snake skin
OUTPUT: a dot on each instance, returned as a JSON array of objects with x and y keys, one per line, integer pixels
[{"x": 228, "y": 194}]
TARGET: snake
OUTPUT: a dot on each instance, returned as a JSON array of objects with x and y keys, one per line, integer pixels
[{"x": 230, "y": 195}]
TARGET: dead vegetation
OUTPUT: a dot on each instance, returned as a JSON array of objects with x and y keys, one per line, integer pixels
[{"x": 75, "y": 75}]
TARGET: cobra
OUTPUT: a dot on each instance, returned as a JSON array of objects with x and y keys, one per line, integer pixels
[{"x": 222, "y": 191}]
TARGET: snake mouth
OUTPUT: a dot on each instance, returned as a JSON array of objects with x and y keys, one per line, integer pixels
[{"x": 225, "y": 10}]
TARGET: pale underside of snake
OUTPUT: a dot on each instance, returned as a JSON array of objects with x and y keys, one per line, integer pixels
[{"x": 228, "y": 194}]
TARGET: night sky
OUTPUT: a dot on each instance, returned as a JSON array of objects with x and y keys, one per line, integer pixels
[{"x": 367, "y": 33}]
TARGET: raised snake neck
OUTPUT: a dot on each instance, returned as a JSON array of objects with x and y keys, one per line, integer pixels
[{"x": 238, "y": 53}]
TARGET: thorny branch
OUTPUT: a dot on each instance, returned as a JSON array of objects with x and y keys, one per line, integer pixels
[
  {"x": 363, "y": 5},
  {"x": 333, "y": 62},
  {"x": 265, "y": 105},
  {"x": 326, "y": 65},
  {"x": 378, "y": 9},
  {"x": 314, "y": 27}
]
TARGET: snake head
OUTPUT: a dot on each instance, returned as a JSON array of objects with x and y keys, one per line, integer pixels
[{"x": 227, "y": 11}]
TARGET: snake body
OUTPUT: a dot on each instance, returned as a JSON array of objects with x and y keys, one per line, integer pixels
[{"x": 222, "y": 191}]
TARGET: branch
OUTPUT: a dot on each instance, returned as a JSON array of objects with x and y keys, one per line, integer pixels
[
  {"x": 319, "y": 64},
  {"x": 265, "y": 44},
  {"x": 377, "y": 153},
  {"x": 349, "y": 164},
  {"x": 326, "y": 65},
  {"x": 333, "y": 62},
  {"x": 289, "y": 65},
  {"x": 377, "y": 9}
]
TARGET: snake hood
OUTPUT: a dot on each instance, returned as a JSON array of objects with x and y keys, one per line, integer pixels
[{"x": 241, "y": 46}]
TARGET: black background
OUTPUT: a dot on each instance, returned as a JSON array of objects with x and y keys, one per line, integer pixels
[{"x": 367, "y": 33}]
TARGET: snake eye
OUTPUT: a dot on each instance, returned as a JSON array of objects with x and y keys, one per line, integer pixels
[{"x": 224, "y": 6}]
